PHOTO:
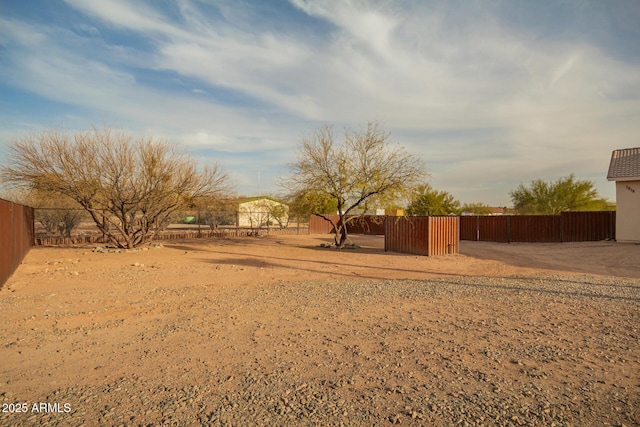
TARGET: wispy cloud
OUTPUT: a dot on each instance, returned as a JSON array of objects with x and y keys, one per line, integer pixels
[{"x": 490, "y": 94}]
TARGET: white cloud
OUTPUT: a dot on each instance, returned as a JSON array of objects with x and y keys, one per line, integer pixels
[
  {"x": 484, "y": 100},
  {"x": 112, "y": 92},
  {"x": 364, "y": 24},
  {"x": 127, "y": 15}
]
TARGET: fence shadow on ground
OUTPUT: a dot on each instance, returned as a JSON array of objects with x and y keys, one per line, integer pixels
[
  {"x": 255, "y": 262},
  {"x": 203, "y": 246}
]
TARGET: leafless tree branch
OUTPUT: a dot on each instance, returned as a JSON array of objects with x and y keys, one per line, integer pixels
[{"x": 128, "y": 187}]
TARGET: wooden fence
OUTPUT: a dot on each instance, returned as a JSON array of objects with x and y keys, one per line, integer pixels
[
  {"x": 433, "y": 235},
  {"x": 566, "y": 227},
  {"x": 368, "y": 224},
  {"x": 16, "y": 236},
  {"x": 414, "y": 235},
  {"x": 172, "y": 235}
]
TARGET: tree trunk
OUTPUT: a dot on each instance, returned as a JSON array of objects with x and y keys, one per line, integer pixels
[{"x": 341, "y": 232}]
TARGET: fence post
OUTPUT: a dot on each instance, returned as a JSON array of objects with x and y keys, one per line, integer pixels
[
  {"x": 613, "y": 215},
  {"x": 386, "y": 232},
  {"x": 509, "y": 229},
  {"x": 13, "y": 237},
  {"x": 430, "y": 221}
]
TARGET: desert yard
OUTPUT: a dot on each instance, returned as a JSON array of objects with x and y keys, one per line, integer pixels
[{"x": 279, "y": 331}]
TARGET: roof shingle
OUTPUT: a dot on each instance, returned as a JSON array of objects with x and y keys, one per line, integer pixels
[{"x": 625, "y": 165}]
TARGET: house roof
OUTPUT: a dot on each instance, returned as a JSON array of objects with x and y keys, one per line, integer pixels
[
  {"x": 242, "y": 200},
  {"x": 500, "y": 210},
  {"x": 625, "y": 165}
]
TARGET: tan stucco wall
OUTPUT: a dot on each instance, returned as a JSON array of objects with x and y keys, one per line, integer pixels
[
  {"x": 256, "y": 213},
  {"x": 628, "y": 211}
]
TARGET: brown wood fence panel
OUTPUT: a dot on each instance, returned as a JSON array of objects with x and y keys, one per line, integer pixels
[
  {"x": 6, "y": 241},
  {"x": 23, "y": 231},
  {"x": 318, "y": 225},
  {"x": 493, "y": 228},
  {"x": 368, "y": 224},
  {"x": 588, "y": 226},
  {"x": 422, "y": 235},
  {"x": 444, "y": 235},
  {"x": 567, "y": 227},
  {"x": 469, "y": 227},
  {"x": 407, "y": 235},
  {"x": 534, "y": 228},
  {"x": 16, "y": 236}
]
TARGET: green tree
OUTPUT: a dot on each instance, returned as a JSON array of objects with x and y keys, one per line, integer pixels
[
  {"x": 427, "y": 201},
  {"x": 304, "y": 204},
  {"x": 476, "y": 208},
  {"x": 353, "y": 173},
  {"x": 554, "y": 197}
]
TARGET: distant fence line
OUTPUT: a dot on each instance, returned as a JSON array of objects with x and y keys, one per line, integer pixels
[
  {"x": 566, "y": 227},
  {"x": 17, "y": 231},
  {"x": 205, "y": 234},
  {"x": 204, "y": 219},
  {"x": 367, "y": 224},
  {"x": 16, "y": 236},
  {"x": 172, "y": 235}
]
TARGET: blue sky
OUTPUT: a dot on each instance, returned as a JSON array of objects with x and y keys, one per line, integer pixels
[{"x": 490, "y": 94}]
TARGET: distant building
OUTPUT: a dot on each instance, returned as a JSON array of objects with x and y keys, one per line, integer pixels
[
  {"x": 624, "y": 169},
  {"x": 492, "y": 211},
  {"x": 260, "y": 212},
  {"x": 394, "y": 212},
  {"x": 358, "y": 212}
]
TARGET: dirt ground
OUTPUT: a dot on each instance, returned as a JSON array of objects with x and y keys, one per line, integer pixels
[{"x": 278, "y": 331}]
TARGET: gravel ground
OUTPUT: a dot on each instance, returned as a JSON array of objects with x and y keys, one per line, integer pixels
[{"x": 549, "y": 350}]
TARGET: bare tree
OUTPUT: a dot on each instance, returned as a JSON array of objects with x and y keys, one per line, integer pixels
[
  {"x": 364, "y": 168},
  {"x": 15, "y": 195},
  {"x": 57, "y": 213},
  {"x": 128, "y": 187},
  {"x": 215, "y": 211}
]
